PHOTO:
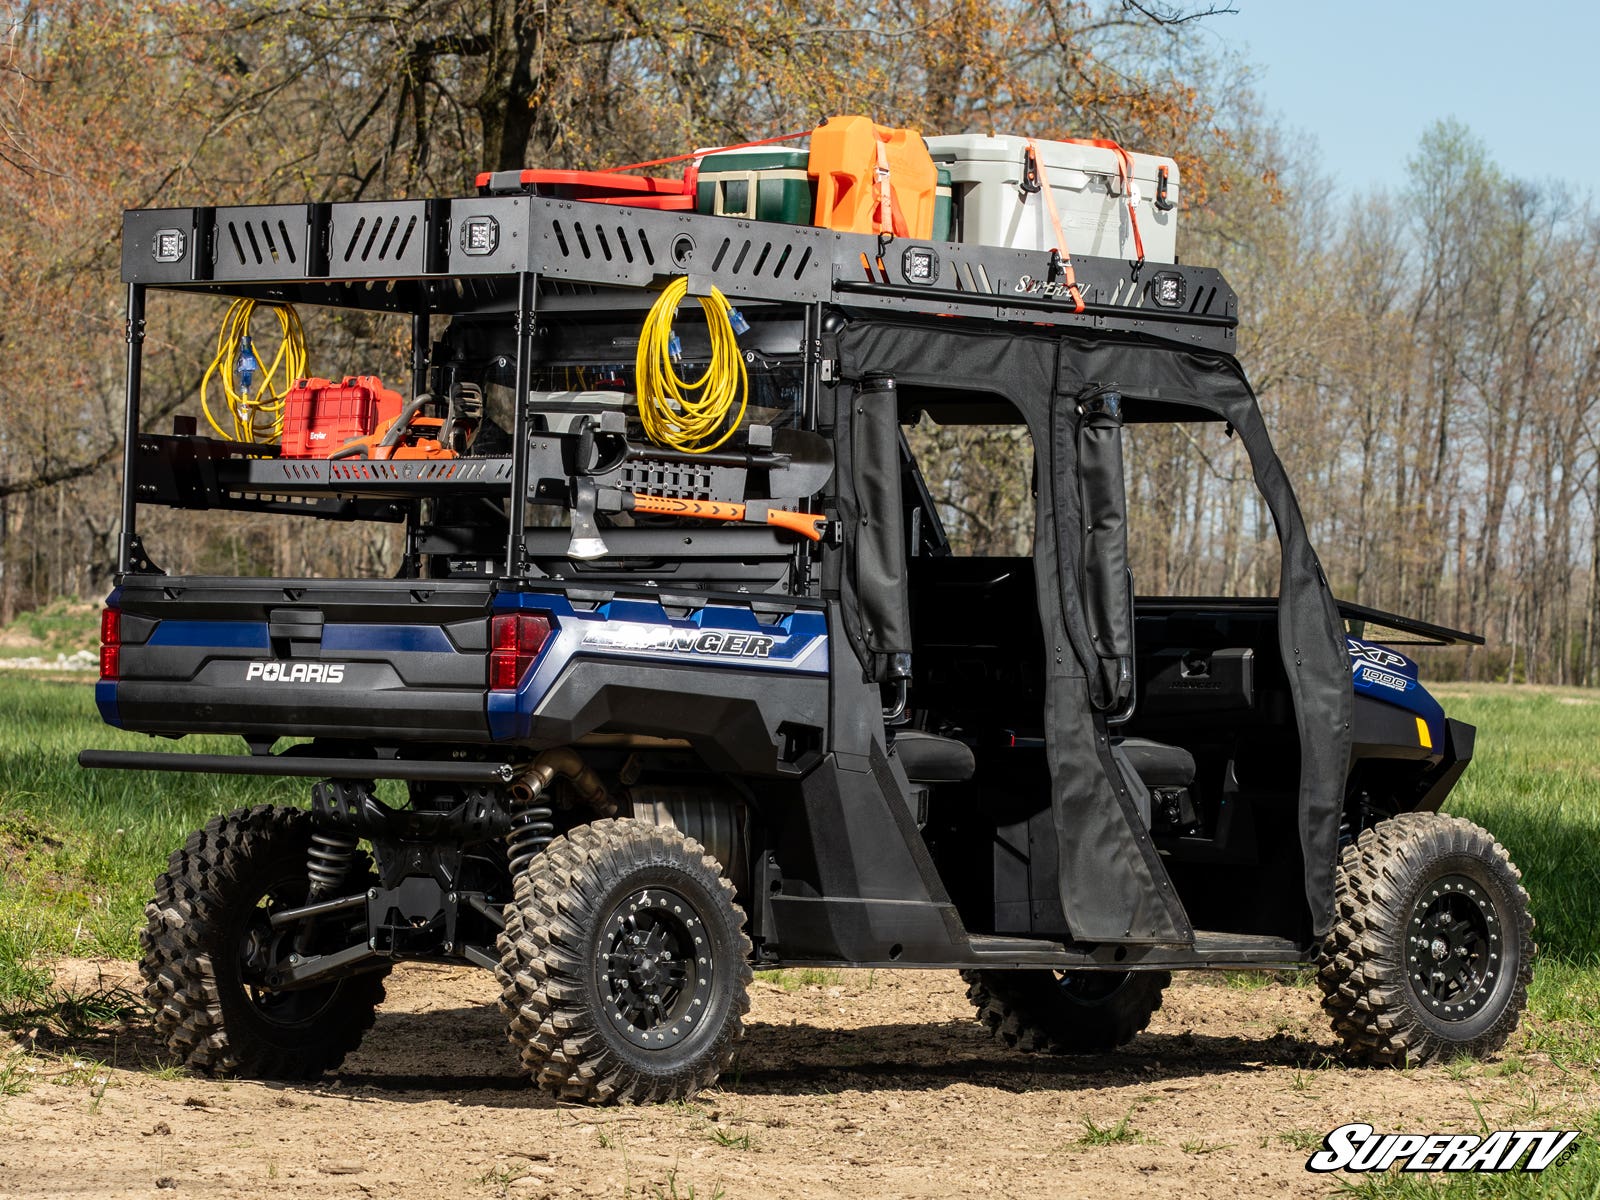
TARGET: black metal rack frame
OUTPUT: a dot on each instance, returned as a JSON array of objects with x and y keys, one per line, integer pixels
[{"x": 520, "y": 256}]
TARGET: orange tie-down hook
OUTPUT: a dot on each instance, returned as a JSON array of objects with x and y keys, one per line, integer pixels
[{"x": 809, "y": 525}]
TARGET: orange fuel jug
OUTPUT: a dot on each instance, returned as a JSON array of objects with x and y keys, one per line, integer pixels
[{"x": 871, "y": 179}]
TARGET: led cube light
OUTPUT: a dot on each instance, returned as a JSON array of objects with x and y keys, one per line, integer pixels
[
  {"x": 1168, "y": 289},
  {"x": 480, "y": 235},
  {"x": 169, "y": 245},
  {"x": 920, "y": 265}
]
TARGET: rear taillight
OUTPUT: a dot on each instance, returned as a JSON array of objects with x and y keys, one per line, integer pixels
[
  {"x": 110, "y": 643},
  {"x": 515, "y": 640}
]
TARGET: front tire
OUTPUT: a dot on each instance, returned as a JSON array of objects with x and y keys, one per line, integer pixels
[
  {"x": 206, "y": 934},
  {"x": 1432, "y": 947},
  {"x": 624, "y": 966},
  {"x": 1065, "y": 1012}
]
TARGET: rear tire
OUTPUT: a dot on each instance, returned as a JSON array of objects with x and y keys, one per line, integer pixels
[
  {"x": 206, "y": 925},
  {"x": 624, "y": 966},
  {"x": 1432, "y": 947},
  {"x": 1065, "y": 1012}
]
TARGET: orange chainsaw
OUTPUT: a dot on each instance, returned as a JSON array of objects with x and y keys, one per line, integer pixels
[{"x": 413, "y": 436}]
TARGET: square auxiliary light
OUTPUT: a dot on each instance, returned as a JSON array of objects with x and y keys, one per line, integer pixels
[
  {"x": 480, "y": 235},
  {"x": 1168, "y": 289},
  {"x": 920, "y": 265},
  {"x": 169, "y": 245}
]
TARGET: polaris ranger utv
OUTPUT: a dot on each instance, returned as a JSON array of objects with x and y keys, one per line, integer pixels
[{"x": 667, "y": 704}]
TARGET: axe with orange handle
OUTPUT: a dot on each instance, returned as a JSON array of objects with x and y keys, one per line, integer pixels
[{"x": 806, "y": 524}]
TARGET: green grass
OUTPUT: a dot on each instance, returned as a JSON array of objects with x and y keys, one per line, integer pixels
[
  {"x": 1201, "y": 1146},
  {"x": 79, "y": 849},
  {"x": 1114, "y": 1134},
  {"x": 729, "y": 1140},
  {"x": 1535, "y": 784},
  {"x": 62, "y": 627},
  {"x": 792, "y": 979}
]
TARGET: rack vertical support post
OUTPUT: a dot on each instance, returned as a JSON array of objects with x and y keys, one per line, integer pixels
[
  {"x": 420, "y": 352},
  {"x": 130, "y": 428},
  {"x": 516, "y": 547}
]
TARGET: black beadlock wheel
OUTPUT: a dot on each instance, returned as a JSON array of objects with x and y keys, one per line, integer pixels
[
  {"x": 207, "y": 940},
  {"x": 624, "y": 966},
  {"x": 1432, "y": 947},
  {"x": 1065, "y": 1012}
]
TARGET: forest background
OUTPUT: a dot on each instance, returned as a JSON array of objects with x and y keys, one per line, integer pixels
[{"x": 1424, "y": 351}]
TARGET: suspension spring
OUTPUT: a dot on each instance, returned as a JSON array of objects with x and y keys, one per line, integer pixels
[
  {"x": 533, "y": 827},
  {"x": 328, "y": 861}
]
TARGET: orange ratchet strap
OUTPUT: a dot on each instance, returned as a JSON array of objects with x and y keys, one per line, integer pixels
[
  {"x": 1130, "y": 193},
  {"x": 1055, "y": 223},
  {"x": 890, "y": 219}
]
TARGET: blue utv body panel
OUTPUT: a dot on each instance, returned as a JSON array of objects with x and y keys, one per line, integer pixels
[
  {"x": 1389, "y": 677},
  {"x": 720, "y": 636}
]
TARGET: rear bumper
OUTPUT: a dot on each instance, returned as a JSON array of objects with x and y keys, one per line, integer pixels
[{"x": 401, "y": 714}]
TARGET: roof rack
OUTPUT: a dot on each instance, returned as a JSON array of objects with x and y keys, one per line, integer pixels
[{"x": 462, "y": 254}]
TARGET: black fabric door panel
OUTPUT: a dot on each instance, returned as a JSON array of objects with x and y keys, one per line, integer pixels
[{"x": 1112, "y": 884}]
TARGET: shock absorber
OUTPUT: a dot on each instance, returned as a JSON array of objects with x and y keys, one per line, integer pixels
[
  {"x": 533, "y": 824},
  {"x": 328, "y": 861},
  {"x": 533, "y": 827}
]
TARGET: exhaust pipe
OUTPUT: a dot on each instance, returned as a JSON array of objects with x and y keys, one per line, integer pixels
[{"x": 531, "y": 780}]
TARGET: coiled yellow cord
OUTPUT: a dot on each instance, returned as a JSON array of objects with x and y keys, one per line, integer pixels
[
  {"x": 257, "y": 417},
  {"x": 676, "y": 413}
]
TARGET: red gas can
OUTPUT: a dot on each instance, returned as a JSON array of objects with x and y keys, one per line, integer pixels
[{"x": 320, "y": 416}]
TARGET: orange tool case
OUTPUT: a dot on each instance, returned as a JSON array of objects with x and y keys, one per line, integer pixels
[{"x": 319, "y": 416}]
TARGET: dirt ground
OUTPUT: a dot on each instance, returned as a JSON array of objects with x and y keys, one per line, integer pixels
[{"x": 879, "y": 1084}]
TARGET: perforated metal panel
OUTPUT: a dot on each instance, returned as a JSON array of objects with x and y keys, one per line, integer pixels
[
  {"x": 270, "y": 241},
  {"x": 381, "y": 240},
  {"x": 607, "y": 244}
]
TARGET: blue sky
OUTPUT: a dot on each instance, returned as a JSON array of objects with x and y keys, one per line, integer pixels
[{"x": 1365, "y": 79}]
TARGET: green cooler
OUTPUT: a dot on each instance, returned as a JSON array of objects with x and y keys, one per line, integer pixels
[
  {"x": 759, "y": 185},
  {"x": 943, "y": 208},
  {"x": 772, "y": 185}
]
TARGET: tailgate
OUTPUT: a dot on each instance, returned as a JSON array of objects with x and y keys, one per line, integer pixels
[{"x": 387, "y": 659}]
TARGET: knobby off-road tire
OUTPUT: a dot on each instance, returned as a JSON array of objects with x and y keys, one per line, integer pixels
[
  {"x": 209, "y": 920},
  {"x": 1065, "y": 1012},
  {"x": 624, "y": 966},
  {"x": 1432, "y": 946}
]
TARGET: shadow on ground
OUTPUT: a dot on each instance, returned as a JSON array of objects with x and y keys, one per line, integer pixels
[{"x": 414, "y": 1055}]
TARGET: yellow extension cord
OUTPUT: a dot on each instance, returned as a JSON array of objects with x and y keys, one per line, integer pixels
[
  {"x": 257, "y": 414},
  {"x": 676, "y": 413}
]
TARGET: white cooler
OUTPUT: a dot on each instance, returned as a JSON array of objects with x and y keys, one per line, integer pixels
[{"x": 992, "y": 209}]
